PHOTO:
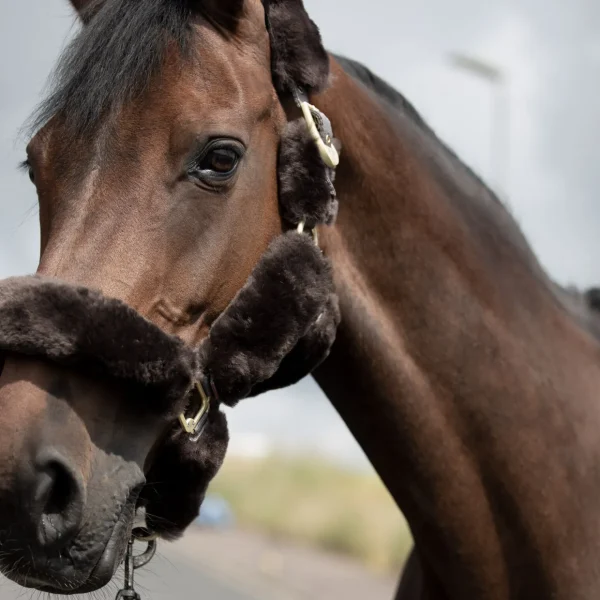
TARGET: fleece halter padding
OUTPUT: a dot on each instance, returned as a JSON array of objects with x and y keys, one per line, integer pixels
[
  {"x": 101, "y": 337},
  {"x": 288, "y": 300},
  {"x": 281, "y": 323},
  {"x": 306, "y": 192}
]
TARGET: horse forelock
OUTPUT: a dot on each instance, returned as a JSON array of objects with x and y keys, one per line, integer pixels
[{"x": 115, "y": 56}]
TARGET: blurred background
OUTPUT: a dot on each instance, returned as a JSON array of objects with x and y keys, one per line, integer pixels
[{"x": 511, "y": 86}]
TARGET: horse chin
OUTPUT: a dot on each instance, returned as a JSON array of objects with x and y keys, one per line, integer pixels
[
  {"x": 54, "y": 577},
  {"x": 109, "y": 561}
]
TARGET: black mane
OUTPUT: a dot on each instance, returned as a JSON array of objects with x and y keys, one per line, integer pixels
[
  {"x": 381, "y": 88},
  {"x": 385, "y": 92},
  {"x": 114, "y": 57}
]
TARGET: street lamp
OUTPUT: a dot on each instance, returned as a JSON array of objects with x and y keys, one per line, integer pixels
[{"x": 500, "y": 139}]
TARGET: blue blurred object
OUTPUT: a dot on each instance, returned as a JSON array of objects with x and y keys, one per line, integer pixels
[{"x": 215, "y": 512}]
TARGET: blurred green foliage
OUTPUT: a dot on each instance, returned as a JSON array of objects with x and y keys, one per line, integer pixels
[{"x": 318, "y": 503}]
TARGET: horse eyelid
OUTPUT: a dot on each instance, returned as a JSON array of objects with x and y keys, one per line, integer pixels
[{"x": 214, "y": 144}]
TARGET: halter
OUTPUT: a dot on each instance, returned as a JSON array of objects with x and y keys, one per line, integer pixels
[{"x": 321, "y": 131}]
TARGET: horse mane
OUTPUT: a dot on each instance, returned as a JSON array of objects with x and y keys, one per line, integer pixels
[
  {"x": 584, "y": 306},
  {"x": 393, "y": 98},
  {"x": 593, "y": 299},
  {"x": 115, "y": 56}
]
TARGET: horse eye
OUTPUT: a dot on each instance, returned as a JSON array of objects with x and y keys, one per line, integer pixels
[
  {"x": 25, "y": 166},
  {"x": 220, "y": 160},
  {"x": 218, "y": 163}
]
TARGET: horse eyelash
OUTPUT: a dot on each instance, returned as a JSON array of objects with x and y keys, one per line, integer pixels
[{"x": 24, "y": 166}]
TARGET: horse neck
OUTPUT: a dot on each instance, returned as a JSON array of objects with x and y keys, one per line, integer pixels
[{"x": 443, "y": 364}]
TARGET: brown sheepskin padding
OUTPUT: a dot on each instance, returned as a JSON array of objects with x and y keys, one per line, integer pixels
[
  {"x": 180, "y": 475},
  {"x": 306, "y": 191},
  {"x": 280, "y": 326},
  {"x": 281, "y": 302},
  {"x": 103, "y": 337},
  {"x": 298, "y": 57},
  {"x": 310, "y": 351}
]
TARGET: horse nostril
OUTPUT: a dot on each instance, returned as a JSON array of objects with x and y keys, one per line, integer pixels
[{"x": 58, "y": 502}]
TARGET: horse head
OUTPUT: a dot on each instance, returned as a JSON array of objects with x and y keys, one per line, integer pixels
[{"x": 158, "y": 164}]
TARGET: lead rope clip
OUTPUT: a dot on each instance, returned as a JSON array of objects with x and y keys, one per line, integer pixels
[{"x": 131, "y": 563}]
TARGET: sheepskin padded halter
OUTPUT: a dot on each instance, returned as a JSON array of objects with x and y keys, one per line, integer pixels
[
  {"x": 288, "y": 303},
  {"x": 279, "y": 327}
]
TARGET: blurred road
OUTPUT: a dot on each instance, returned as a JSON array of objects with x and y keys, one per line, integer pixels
[
  {"x": 172, "y": 577},
  {"x": 241, "y": 565},
  {"x": 168, "y": 577}
]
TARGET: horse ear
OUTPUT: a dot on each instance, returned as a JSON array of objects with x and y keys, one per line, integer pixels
[
  {"x": 298, "y": 55},
  {"x": 86, "y": 8}
]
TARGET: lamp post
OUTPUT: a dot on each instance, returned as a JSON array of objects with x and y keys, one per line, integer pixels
[{"x": 500, "y": 138}]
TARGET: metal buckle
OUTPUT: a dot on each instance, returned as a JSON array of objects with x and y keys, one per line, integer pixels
[
  {"x": 313, "y": 232},
  {"x": 329, "y": 155},
  {"x": 195, "y": 426}
]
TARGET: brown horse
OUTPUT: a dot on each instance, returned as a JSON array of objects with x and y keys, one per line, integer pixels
[{"x": 467, "y": 377}]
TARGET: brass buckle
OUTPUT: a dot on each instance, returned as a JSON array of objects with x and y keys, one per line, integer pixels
[
  {"x": 313, "y": 232},
  {"x": 329, "y": 155},
  {"x": 194, "y": 426}
]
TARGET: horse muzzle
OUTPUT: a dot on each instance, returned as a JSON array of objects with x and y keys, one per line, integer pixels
[{"x": 71, "y": 562}]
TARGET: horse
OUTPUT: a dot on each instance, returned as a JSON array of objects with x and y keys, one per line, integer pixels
[{"x": 466, "y": 375}]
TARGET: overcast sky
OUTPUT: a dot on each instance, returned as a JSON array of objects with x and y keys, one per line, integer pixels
[{"x": 549, "y": 51}]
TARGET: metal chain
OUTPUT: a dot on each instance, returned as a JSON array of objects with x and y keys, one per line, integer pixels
[{"x": 132, "y": 563}]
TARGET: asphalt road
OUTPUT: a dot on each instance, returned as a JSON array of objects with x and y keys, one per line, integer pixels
[
  {"x": 233, "y": 564},
  {"x": 168, "y": 577}
]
